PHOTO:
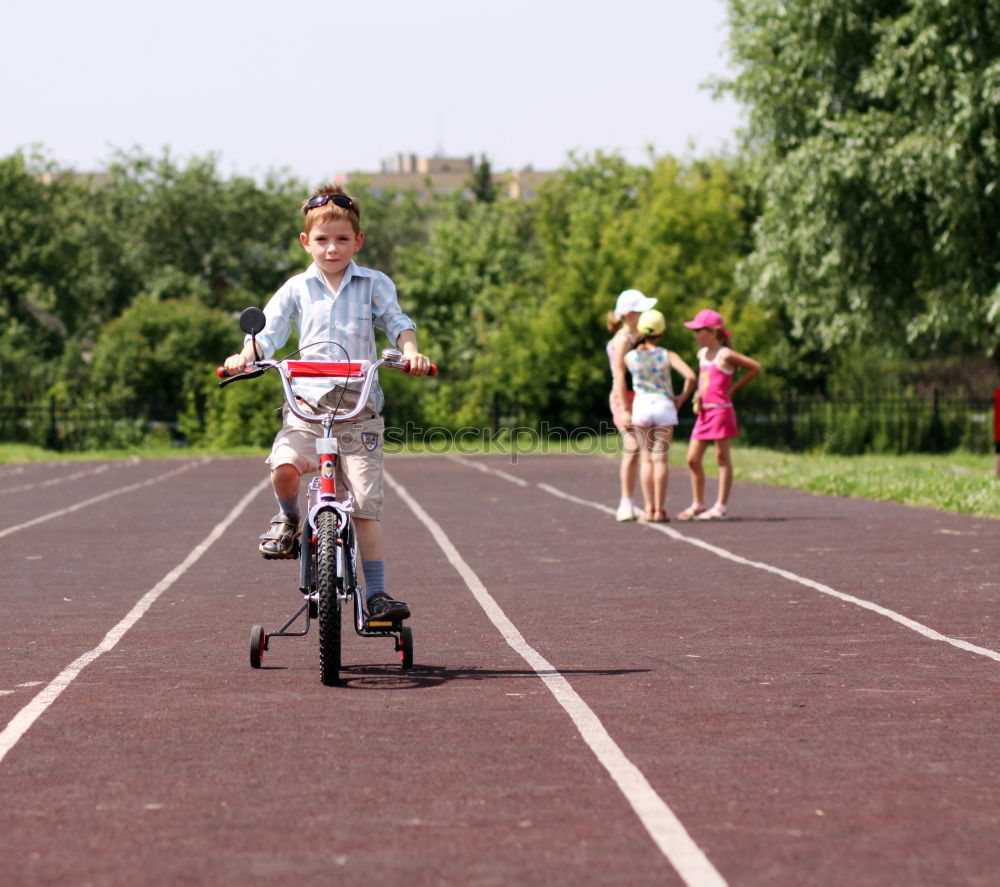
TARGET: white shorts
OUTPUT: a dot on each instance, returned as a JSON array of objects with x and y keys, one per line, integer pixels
[{"x": 650, "y": 410}]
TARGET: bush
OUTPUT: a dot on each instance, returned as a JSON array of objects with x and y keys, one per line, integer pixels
[{"x": 149, "y": 359}]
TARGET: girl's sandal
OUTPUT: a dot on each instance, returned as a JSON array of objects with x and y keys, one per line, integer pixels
[
  {"x": 716, "y": 512},
  {"x": 691, "y": 512},
  {"x": 660, "y": 517}
]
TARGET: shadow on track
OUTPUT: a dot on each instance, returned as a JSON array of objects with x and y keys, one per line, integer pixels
[
  {"x": 771, "y": 519},
  {"x": 427, "y": 676}
]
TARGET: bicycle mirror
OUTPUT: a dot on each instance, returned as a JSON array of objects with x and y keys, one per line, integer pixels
[{"x": 252, "y": 320}]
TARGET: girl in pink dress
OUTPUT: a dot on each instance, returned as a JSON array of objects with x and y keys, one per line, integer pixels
[{"x": 713, "y": 403}]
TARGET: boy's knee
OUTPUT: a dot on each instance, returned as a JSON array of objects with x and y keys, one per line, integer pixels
[
  {"x": 285, "y": 479},
  {"x": 285, "y": 471}
]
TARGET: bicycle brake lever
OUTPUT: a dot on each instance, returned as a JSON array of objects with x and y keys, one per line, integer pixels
[{"x": 227, "y": 379}]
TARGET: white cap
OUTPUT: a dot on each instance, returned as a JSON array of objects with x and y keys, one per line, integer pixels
[{"x": 632, "y": 300}]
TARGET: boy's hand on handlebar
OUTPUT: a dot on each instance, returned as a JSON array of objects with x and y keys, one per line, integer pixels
[
  {"x": 235, "y": 364},
  {"x": 420, "y": 365}
]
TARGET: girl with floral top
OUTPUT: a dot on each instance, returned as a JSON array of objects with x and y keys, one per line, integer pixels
[{"x": 654, "y": 409}]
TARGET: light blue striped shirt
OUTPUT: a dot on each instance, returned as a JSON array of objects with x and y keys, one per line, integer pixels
[{"x": 366, "y": 301}]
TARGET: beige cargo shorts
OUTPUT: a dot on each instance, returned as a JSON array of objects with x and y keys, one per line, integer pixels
[{"x": 359, "y": 468}]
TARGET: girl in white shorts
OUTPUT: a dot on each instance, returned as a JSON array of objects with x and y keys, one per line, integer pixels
[{"x": 654, "y": 410}]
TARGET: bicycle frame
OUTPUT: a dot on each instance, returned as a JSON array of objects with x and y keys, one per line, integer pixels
[{"x": 323, "y": 497}]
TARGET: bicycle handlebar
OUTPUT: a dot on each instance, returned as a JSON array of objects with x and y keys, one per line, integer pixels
[
  {"x": 287, "y": 370},
  {"x": 312, "y": 368}
]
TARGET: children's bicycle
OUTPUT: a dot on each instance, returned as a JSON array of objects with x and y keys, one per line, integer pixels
[{"x": 327, "y": 548}]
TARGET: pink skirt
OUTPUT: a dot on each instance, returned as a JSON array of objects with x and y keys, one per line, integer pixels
[{"x": 715, "y": 423}]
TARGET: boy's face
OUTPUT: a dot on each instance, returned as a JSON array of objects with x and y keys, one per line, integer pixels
[{"x": 332, "y": 245}]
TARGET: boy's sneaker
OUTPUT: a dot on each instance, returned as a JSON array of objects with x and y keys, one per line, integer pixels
[
  {"x": 626, "y": 511},
  {"x": 382, "y": 608}
]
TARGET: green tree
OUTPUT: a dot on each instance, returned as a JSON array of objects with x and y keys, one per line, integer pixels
[
  {"x": 581, "y": 223},
  {"x": 147, "y": 360},
  {"x": 392, "y": 220},
  {"x": 231, "y": 238},
  {"x": 675, "y": 230},
  {"x": 74, "y": 254},
  {"x": 512, "y": 297},
  {"x": 456, "y": 288},
  {"x": 876, "y": 127},
  {"x": 690, "y": 228},
  {"x": 43, "y": 250},
  {"x": 483, "y": 187}
]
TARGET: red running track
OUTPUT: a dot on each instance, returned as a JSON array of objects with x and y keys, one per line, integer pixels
[{"x": 803, "y": 694}]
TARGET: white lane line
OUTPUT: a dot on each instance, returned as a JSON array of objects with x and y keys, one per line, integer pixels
[
  {"x": 22, "y": 721},
  {"x": 899, "y": 618},
  {"x": 53, "y": 481},
  {"x": 660, "y": 821},
  {"x": 68, "y": 509},
  {"x": 486, "y": 470}
]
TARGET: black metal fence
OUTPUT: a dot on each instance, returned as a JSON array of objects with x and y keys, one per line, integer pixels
[
  {"x": 794, "y": 422},
  {"x": 56, "y": 426},
  {"x": 903, "y": 424}
]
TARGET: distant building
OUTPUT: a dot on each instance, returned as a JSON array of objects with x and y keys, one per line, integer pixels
[
  {"x": 428, "y": 176},
  {"x": 92, "y": 179}
]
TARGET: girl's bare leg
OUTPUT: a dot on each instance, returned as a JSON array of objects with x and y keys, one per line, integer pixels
[
  {"x": 630, "y": 463},
  {"x": 659, "y": 449},
  {"x": 695, "y": 454},
  {"x": 723, "y": 455},
  {"x": 646, "y": 468}
]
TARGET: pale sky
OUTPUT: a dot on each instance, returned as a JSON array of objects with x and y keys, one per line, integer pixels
[{"x": 325, "y": 88}]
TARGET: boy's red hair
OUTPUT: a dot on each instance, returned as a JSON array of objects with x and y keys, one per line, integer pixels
[{"x": 330, "y": 212}]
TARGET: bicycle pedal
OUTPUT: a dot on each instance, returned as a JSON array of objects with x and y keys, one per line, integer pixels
[
  {"x": 287, "y": 556},
  {"x": 279, "y": 557},
  {"x": 380, "y": 624}
]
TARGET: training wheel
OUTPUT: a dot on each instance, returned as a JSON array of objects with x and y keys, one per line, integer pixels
[
  {"x": 405, "y": 647},
  {"x": 258, "y": 644}
]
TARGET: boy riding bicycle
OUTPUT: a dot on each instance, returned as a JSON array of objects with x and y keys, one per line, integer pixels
[{"x": 335, "y": 306}]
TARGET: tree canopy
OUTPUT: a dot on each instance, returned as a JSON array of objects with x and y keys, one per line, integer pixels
[{"x": 874, "y": 126}]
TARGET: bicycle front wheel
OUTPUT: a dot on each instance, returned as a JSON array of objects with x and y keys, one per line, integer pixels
[{"x": 327, "y": 582}]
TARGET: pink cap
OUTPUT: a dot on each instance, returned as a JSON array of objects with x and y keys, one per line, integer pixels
[{"x": 708, "y": 318}]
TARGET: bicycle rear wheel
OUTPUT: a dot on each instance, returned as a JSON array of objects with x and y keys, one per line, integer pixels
[{"x": 327, "y": 582}]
